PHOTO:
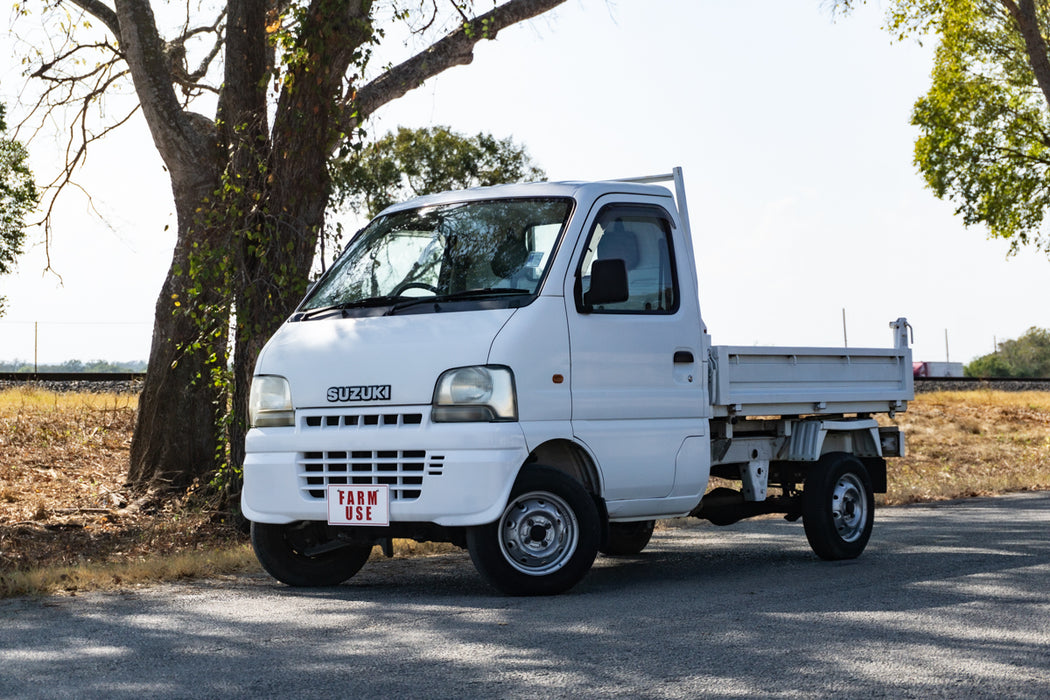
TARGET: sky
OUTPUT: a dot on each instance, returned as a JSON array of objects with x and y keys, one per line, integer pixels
[{"x": 791, "y": 126}]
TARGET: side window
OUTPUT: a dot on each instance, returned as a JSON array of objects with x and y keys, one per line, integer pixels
[{"x": 641, "y": 237}]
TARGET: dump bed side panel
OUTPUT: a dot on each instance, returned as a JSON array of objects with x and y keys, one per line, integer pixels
[{"x": 760, "y": 381}]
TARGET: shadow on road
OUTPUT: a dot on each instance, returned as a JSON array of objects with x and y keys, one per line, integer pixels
[{"x": 948, "y": 600}]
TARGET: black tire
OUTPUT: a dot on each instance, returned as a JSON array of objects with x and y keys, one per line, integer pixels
[
  {"x": 546, "y": 539},
  {"x": 838, "y": 507},
  {"x": 626, "y": 539},
  {"x": 281, "y": 549}
]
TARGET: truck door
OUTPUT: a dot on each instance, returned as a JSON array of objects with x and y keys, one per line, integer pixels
[{"x": 637, "y": 388}]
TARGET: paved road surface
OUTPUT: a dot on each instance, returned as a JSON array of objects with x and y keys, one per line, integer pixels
[{"x": 949, "y": 600}]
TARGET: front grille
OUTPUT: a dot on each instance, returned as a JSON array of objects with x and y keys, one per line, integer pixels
[
  {"x": 402, "y": 471},
  {"x": 337, "y": 420}
]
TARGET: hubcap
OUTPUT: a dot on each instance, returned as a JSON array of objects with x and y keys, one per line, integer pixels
[
  {"x": 849, "y": 507},
  {"x": 538, "y": 533}
]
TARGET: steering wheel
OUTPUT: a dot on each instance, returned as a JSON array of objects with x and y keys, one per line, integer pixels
[{"x": 414, "y": 285}]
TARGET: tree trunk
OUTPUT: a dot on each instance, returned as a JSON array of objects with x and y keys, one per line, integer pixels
[
  {"x": 250, "y": 203},
  {"x": 176, "y": 440},
  {"x": 277, "y": 250},
  {"x": 175, "y": 435}
]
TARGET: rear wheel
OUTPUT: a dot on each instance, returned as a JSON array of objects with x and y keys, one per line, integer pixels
[
  {"x": 625, "y": 539},
  {"x": 838, "y": 507},
  {"x": 546, "y": 539},
  {"x": 304, "y": 554}
]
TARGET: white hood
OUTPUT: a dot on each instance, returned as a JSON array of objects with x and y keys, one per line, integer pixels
[{"x": 360, "y": 357}]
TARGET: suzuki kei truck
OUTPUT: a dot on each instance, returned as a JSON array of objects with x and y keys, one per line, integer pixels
[{"x": 524, "y": 371}]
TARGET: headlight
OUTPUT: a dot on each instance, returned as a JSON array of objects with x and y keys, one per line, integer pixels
[
  {"x": 270, "y": 404},
  {"x": 475, "y": 394}
]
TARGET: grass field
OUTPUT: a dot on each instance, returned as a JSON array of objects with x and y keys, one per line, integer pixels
[
  {"x": 972, "y": 443},
  {"x": 66, "y": 524}
]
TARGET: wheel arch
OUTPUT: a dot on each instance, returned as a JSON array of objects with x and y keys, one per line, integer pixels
[
  {"x": 575, "y": 461},
  {"x": 570, "y": 458}
]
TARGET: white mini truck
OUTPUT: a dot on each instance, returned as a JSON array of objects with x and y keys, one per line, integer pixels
[{"x": 523, "y": 371}]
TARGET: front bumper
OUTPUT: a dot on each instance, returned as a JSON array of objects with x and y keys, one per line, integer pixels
[{"x": 450, "y": 474}]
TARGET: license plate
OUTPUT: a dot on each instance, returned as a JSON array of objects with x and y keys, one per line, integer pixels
[{"x": 359, "y": 505}]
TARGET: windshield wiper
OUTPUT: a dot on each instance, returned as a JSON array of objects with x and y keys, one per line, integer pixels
[
  {"x": 384, "y": 300},
  {"x": 485, "y": 292},
  {"x": 481, "y": 293}
]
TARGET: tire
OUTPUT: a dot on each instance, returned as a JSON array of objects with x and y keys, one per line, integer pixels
[
  {"x": 838, "y": 507},
  {"x": 626, "y": 539},
  {"x": 281, "y": 551},
  {"x": 546, "y": 539}
]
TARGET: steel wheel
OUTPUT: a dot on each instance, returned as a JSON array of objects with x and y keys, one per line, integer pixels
[
  {"x": 546, "y": 539},
  {"x": 627, "y": 538},
  {"x": 849, "y": 507},
  {"x": 538, "y": 533},
  {"x": 838, "y": 507},
  {"x": 305, "y": 554}
]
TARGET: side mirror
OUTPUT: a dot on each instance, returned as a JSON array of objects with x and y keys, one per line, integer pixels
[{"x": 608, "y": 283}]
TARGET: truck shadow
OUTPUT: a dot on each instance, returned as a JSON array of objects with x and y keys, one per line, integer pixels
[{"x": 948, "y": 600}]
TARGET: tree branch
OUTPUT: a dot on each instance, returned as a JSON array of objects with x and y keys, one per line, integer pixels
[
  {"x": 101, "y": 12},
  {"x": 455, "y": 49},
  {"x": 1024, "y": 14},
  {"x": 184, "y": 139}
]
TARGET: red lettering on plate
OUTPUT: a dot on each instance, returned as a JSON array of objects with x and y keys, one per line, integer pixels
[{"x": 373, "y": 498}]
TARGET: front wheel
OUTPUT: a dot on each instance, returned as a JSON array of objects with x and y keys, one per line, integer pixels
[
  {"x": 303, "y": 554},
  {"x": 838, "y": 507},
  {"x": 546, "y": 539}
]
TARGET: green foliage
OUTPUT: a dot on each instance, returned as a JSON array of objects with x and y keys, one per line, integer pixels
[
  {"x": 75, "y": 366},
  {"x": 1027, "y": 356},
  {"x": 984, "y": 124},
  {"x": 414, "y": 162},
  {"x": 18, "y": 196}
]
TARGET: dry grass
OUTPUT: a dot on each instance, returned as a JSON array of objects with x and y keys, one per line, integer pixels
[
  {"x": 88, "y": 575},
  {"x": 64, "y": 520},
  {"x": 973, "y": 443},
  {"x": 65, "y": 524}
]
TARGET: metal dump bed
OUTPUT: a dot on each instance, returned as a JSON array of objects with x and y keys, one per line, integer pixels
[{"x": 767, "y": 381}]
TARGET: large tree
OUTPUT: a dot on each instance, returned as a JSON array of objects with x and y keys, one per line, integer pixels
[
  {"x": 413, "y": 162},
  {"x": 291, "y": 83},
  {"x": 984, "y": 124},
  {"x": 17, "y": 198}
]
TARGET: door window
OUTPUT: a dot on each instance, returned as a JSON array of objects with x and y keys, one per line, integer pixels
[{"x": 641, "y": 237}]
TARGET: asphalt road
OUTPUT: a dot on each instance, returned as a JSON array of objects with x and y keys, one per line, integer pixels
[{"x": 949, "y": 600}]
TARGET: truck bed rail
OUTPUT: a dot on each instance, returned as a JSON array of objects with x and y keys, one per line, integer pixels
[{"x": 756, "y": 381}]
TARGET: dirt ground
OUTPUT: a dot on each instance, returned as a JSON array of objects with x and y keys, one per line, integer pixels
[
  {"x": 63, "y": 467},
  {"x": 63, "y": 496}
]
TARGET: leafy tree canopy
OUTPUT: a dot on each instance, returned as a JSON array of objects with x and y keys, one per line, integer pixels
[
  {"x": 17, "y": 197},
  {"x": 984, "y": 125},
  {"x": 414, "y": 162},
  {"x": 1027, "y": 356}
]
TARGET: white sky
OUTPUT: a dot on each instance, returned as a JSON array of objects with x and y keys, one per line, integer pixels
[{"x": 792, "y": 130}]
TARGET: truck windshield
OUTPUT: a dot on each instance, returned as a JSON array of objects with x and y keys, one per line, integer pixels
[{"x": 483, "y": 250}]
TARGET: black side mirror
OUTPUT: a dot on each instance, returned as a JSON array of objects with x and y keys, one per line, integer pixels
[{"x": 608, "y": 283}]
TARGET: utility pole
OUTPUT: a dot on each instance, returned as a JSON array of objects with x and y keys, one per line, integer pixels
[
  {"x": 845, "y": 340},
  {"x": 35, "y": 338},
  {"x": 947, "y": 355}
]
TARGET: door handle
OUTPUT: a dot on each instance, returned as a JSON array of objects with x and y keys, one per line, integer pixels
[{"x": 683, "y": 357}]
